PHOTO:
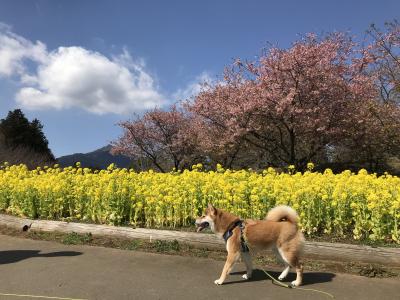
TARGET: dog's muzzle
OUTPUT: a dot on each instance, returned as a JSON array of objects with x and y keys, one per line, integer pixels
[{"x": 201, "y": 225}]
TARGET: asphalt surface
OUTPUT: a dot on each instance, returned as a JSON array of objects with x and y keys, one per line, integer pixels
[{"x": 84, "y": 272}]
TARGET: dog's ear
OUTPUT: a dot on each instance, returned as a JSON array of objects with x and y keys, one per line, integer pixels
[{"x": 212, "y": 209}]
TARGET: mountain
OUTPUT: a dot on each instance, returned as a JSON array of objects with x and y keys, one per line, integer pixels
[{"x": 98, "y": 159}]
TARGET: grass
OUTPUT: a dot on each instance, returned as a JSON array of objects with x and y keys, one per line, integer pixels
[
  {"x": 74, "y": 238},
  {"x": 166, "y": 246}
]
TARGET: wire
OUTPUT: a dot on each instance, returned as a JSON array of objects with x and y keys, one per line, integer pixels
[{"x": 35, "y": 296}]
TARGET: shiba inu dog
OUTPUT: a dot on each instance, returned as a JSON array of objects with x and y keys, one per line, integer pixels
[{"x": 278, "y": 231}]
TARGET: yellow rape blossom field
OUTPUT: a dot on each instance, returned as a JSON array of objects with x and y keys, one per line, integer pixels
[{"x": 362, "y": 206}]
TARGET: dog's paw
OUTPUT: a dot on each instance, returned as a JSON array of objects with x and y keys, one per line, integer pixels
[
  {"x": 281, "y": 277},
  {"x": 294, "y": 283},
  {"x": 218, "y": 282},
  {"x": 246, "y": 277}
]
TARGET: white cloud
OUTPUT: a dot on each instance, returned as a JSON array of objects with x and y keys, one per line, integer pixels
[
  {"x": 74, "y": 77},
  {"x": 194, "y": 87},
  {"x": 77, "y": 78},
  {"x": 15, "y": 50}
]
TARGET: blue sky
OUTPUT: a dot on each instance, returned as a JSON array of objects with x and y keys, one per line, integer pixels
[{"x": 82, "y": 66}]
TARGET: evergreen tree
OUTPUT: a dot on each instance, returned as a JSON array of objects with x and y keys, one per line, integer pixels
[{"x": 19, "y": 132}]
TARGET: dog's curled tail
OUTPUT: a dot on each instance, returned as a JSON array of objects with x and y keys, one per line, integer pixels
[{"x": 282, "y": 212}]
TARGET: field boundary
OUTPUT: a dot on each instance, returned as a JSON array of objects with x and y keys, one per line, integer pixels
[{"x": 312, "y": 250}]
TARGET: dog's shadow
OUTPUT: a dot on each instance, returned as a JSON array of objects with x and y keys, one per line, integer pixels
[
  {"x": 308, "y": 277},
  {"x": 13, "y": 256}
]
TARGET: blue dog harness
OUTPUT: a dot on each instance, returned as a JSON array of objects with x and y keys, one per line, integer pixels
[{"x": 229, "y": 233}]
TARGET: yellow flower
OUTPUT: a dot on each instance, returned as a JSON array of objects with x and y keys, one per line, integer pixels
[{"x": 362, "y": 203}]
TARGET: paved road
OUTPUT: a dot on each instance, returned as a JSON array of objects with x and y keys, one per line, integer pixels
[{"x": 52, "y": 269}]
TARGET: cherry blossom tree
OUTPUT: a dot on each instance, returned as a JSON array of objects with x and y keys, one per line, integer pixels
[
  {"x": 220, "y": 119},
  {"x": 161, "y": 136},
  {"x": 372, "y": 140},
  {"x": 385, "y": 51},
  {"x": 291, "y": 103},
  {"x": 318, "y": 100}
]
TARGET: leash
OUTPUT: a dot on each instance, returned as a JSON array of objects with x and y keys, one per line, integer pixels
[
  {"x": 35, "y": 296},
  {"x": 289, "y": 286}
]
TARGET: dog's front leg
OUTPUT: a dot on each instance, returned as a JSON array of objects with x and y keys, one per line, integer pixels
[
  {"x": 230, "y": 261},
  {"x": 249, "y": 265}
]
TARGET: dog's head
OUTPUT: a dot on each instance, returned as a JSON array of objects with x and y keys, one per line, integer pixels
[{"x": 208, "y": 219}]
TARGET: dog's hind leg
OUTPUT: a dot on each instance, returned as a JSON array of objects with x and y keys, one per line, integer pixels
[
  {"x": 283, "y": 258},
  {"x": 292, "y": 260},
  {"x": 299, "y": 273},
  {"x": 284, "y": 273},
  {"x": 249, "y": 265}
]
